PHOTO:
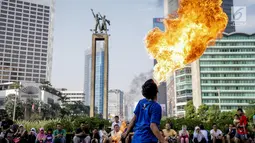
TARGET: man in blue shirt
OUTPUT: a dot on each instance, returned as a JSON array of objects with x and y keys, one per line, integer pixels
[{"x": 147, "y": 117}]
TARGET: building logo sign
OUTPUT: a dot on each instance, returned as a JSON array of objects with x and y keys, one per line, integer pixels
[
  {"x": 238, "y": 15},
  {"x": 159, "y": 20}
]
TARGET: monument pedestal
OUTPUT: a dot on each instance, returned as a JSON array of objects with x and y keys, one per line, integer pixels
[{"x": 99, "y": 37}]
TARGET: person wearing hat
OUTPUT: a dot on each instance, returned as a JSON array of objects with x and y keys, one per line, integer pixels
[
  {"x": 21, "y": 135},
  {"x": 198, "y": 136},
  {"x": 32, "y": 135},
  {"x": 40, "y": 138}
]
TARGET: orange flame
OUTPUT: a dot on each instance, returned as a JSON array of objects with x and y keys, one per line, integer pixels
[
  {"x": 117, "y": 138},
  {"x": 185, "y": 38},
  {"x": 123, "y": 126}
]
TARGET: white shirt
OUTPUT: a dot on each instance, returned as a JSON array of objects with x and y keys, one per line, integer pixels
[
  {"x": 205, "y": 133},
  {"x": 199, "y": 136},
  {"x": 115, "y": 123},
  {"x": 215, "y": 133},
  {"x": 102, "y": 133}
]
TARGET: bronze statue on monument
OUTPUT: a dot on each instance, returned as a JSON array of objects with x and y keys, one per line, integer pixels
[
  {"x": 99, "y": 34},
  {"x": 102, "y": 26}
]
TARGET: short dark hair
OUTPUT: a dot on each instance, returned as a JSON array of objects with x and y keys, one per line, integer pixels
[
  {"x": 201, "y": 126},
  {"x": 101, "y": 126},
  {"x": 116, "y": 125},
  {"x": 170, "y": 124},
  {"x": 49, "y": 129},
  {"x": 149, "y": 89},
  {"x": 59, "y": 124},
  {"x": 240, "y": 109},
  {"x": 116, "y": 117},
  {"x": 214, "y": 124}
]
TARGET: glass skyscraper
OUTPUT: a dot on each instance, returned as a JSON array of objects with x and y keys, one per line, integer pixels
[
  {"x": 226, "y": 73},
  {"x": 99, "y": 83}
]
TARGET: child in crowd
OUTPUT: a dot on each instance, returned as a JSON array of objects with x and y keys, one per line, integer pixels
[
  {"x": 236, "y": 120},
  {"x": 49, "y": 136}
]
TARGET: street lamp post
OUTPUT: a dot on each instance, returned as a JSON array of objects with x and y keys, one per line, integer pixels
[{"x": 14, "y": 108}]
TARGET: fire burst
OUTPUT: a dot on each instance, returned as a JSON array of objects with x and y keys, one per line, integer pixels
[{"x": 185, "y": 38}]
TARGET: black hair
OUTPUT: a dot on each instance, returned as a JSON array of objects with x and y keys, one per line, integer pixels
[
  {"x": 116, "y": 117},
  {"x": 170, "y": 123},
  {"x": 201, "y": 126},
  {"x": 59, "y": 124},
  {"x": 149, "y": 89},
  {"x": 116, "y": 125},
  {"x": 49, "y": 130},
  {"x": 240, "y": 109},
  {"x": 214, "y": 124},
  {"x": 101, "y": 126}
]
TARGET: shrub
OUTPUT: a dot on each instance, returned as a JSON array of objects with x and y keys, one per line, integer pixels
[{"x": 70, "y": 124}]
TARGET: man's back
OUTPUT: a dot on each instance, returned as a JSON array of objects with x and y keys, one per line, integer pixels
[{"x": 147, "y": 112}]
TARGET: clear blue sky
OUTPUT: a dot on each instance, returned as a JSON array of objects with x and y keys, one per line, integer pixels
[{"x": 130, "y": 21}]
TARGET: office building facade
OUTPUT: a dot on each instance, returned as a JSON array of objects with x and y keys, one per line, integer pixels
[
  {"x": 99, "y": 83},
  {"x": 29, "y": 90},
  {"x": 115, "y": 103},
  {"x": 226, "y": 73},
  {"x": 26, "y": 37},
  {"x": 74, "y": 97}
]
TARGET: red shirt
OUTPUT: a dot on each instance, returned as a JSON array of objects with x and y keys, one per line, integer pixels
[{"x": 243, "y": 122}]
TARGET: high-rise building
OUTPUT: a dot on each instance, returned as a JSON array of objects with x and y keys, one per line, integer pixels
[
  {"x": 226, "y": 73},
  {"x": 226, "y": 5},
  {"x": 162, "y": 99},
  {"x": 115, "y": 103},
  {"x": 99, "y": 83},
  {"x": 26, "y": 37}
]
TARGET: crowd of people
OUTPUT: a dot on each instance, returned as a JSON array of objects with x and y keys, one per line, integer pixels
[
  {"x": 143, "y": 128},
  {"x": 13, "y": 133}
]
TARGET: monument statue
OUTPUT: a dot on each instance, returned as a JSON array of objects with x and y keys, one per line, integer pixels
[
  {"x": 104, "y": 23},
  {"x": 101, "y": 26},
  {"x": 97, "y": 20}
]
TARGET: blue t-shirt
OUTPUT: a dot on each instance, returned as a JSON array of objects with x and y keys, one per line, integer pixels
[{"x": 146, "y": 112}]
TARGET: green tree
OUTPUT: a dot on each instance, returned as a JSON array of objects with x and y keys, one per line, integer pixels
[
  {"x": 213, "y": 113},
  {"x": 249, "y": 111},
  {"x": 190, "y": 110},
  {"x": 202, "y": 112},
  {"x": 9, "y": 106}
]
